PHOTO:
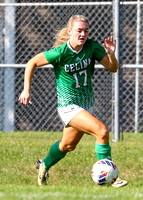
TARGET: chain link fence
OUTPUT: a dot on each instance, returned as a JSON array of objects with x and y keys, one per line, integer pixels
[{"x": 28, "y": 27}]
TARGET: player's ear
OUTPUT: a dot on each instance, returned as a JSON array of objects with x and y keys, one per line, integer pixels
[{"x": 69, "y": 31}]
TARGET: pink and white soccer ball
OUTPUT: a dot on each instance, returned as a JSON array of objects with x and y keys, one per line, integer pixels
[{"x": 104, "y": 172}]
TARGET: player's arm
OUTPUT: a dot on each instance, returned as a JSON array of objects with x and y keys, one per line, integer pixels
[
  {"x": 36, "y": 61},
  {"x": 109, "y": 61}
]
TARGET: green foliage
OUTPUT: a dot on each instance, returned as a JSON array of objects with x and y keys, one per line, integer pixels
[{"x": 70, "y": 179}]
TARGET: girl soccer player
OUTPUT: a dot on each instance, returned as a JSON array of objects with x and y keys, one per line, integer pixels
[{"x": 73, "y": 57}]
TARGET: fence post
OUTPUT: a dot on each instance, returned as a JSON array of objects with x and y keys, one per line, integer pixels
[
  {"x": 9, "y": 51},
  {"x": 116, "y": 75},
  {"x": 137, "y": 70},
  {"x": 1, "y": 72}
]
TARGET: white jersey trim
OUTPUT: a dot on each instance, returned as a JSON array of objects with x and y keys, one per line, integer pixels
[{"x": 68, "y": 43}]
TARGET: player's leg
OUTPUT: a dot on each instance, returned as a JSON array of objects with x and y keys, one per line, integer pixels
[
  {"x": 70, "y": 139},
  {"x": 87, "y": 123}
]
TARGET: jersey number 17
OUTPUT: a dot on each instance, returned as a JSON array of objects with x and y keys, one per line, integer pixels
[{"x": 82, "y": 73}]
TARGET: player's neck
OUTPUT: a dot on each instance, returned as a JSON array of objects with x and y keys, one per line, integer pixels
[{"x": 75, "y": 47}]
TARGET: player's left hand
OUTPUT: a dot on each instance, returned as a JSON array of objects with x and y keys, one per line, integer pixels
[{"x": 110, "y": 46}]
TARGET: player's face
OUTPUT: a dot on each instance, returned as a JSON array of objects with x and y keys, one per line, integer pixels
[{"x": 78, "y": 34}]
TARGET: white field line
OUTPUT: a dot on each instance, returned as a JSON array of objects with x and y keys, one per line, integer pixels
[
  {"x": 57, "y": 194},
  {"x": 68, "y": 195},
  {"x": 65, "y": 195}
]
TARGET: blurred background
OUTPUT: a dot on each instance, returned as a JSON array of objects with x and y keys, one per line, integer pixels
[{"x": 28, "y": 27}]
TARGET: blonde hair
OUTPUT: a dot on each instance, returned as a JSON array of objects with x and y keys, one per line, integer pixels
[{"x": 62, "y": 35}]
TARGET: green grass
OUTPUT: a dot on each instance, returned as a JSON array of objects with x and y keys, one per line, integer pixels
[{"x": 70, "y": 179}]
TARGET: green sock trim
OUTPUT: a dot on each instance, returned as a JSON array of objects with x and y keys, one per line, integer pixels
[
  {"x": 103, "y": 151},
  {"x": 55, "y": 155}
]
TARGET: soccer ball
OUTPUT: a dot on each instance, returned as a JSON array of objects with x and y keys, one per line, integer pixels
[{"x": 104, "y": 172}]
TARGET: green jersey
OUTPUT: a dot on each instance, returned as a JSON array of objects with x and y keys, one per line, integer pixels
[{"x": 73, "y": 72}]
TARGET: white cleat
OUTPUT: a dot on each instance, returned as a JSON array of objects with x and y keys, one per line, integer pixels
[
  {"x": 119, "y": 183},
  {"x": 43, "y": 175},
  {"x": 38, "y": 162}
]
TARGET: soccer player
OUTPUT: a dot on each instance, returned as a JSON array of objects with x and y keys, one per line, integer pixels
[{"x": 73, "y": 57}]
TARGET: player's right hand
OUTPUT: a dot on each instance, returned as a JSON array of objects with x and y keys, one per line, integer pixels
[{"x": 25, "y": 98}]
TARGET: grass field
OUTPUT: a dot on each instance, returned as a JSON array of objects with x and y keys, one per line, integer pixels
[{"x": 70, "y": 179}]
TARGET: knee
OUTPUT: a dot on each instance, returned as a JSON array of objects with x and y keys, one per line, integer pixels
[
  {"x": 103, "y": 134},
  {"x": 67, "y": 147}
]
